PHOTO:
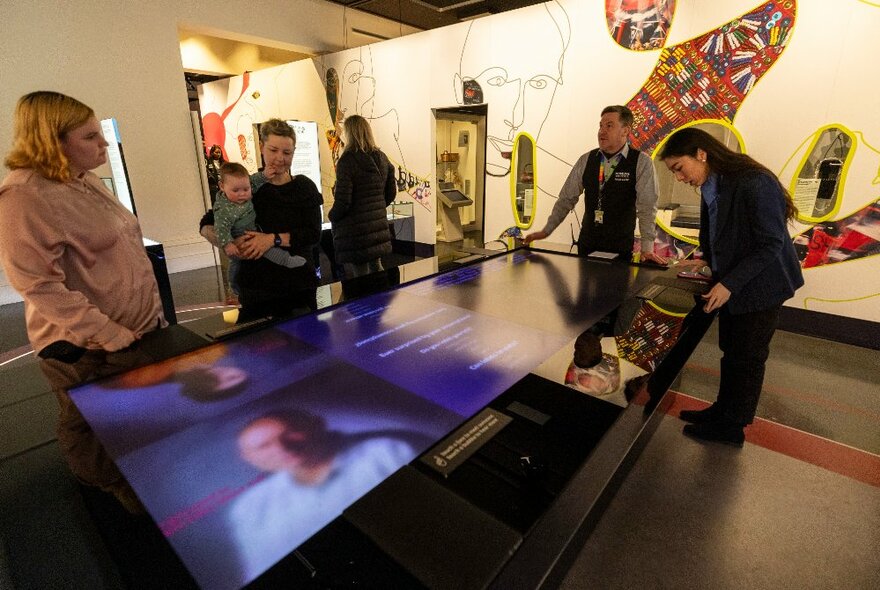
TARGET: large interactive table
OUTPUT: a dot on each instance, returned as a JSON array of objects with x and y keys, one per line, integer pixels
[{"x": 436, "y": 433}]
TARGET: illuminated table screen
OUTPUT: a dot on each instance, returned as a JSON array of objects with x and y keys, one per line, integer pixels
[{"x": 359, "y": 390}]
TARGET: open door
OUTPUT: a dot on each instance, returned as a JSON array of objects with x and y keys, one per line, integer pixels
[{"x": 461, "y": 171}]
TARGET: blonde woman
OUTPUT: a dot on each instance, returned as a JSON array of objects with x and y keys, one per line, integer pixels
[
  {"x": 365, "y": 186},
  {"x": 77, "y": 258}
]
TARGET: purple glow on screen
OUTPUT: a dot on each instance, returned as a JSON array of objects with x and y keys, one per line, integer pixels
[
  {"x": 232, "y": 505},
  {"x": 378, "y": 380},
  {"x": 454, "y": 357}
]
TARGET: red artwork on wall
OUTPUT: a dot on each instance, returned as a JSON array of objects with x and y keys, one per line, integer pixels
[
  {"x": 850, "y": 238},
  {"x": 640, "y": 25},
  {"x": 213, "y": 125}
]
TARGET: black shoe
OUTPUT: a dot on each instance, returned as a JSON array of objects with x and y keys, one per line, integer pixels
[
  {"x": 729, "y": 434},
  {"x": 698, "y": 416}
]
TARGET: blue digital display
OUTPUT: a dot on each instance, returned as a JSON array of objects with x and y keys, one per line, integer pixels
[{"x": 243, "y": 450}]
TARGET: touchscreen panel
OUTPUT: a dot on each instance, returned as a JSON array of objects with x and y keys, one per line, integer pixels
[{"x": 243, "y": 450}]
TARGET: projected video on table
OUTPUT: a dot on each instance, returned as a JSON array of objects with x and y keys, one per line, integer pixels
[
  {"x": 454, "y": 357},
  {"x": 243, "y": 450}
]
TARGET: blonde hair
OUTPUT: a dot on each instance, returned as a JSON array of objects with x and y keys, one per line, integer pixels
[
  {"x": 42, "y": 119},
  {"x": 359, "y": 134}
]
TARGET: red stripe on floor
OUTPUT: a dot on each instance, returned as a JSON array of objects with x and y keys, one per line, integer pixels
[
  {"x": 803, "y": 446},
  {"x": 810, "y": 398}
]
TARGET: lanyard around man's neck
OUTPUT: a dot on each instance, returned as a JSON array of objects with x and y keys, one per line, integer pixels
[{"x": 613, "y": 160}]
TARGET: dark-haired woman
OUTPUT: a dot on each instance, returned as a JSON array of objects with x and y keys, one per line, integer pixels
[
  {"x": 745, "y": 242},
  {"x": 212, "y": 167}
]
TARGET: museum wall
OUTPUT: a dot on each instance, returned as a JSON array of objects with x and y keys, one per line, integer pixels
[
  {"x": 123, "y": 59},
  {"x": 790, "y": 79}
]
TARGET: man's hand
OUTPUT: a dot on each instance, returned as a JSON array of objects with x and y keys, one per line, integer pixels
[
  {"x": 253, "y": 245},
  {"x": 538, "y": 235}
]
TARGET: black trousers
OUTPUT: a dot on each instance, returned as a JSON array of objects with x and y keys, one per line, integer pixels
[{"x": 745, "y": 341}]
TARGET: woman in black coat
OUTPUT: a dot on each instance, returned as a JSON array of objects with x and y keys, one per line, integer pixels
[{"x": 365, "y": 186}]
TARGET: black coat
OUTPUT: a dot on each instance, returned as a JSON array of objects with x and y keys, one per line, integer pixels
[
  {"x": 752, "y": 254},
  {"x": 365, "y": 186}
]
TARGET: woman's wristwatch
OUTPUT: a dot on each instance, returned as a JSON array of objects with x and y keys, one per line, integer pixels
[{"x": 277, "y": 241}]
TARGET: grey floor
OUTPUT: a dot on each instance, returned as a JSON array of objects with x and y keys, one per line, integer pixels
[{"x": 688, "y": 515}]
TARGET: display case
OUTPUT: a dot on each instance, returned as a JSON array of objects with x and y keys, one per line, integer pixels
[{"x": 400, "y": 209}]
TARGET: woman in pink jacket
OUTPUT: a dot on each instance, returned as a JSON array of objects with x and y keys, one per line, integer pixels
[{"x": 77, "y": 258}]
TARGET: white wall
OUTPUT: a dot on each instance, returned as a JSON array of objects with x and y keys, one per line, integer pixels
[
  {"x": 122, "y": 58},
  {"x": 824, "y": 75}
]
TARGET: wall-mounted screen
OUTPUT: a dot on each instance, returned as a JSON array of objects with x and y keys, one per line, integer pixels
[
  {"x": 454, "y": 198},
  {"x": 306, "y": 156},
  {"x": 116, "y": 159},
  {"x": 243, "y": 450}
]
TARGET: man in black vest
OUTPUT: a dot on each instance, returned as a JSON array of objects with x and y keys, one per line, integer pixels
[{"x": 618, "y": 185}]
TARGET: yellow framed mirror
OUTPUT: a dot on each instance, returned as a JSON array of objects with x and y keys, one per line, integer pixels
[
  {"x": 817, "y": 186},
  {"x": 523, "y": 180}
]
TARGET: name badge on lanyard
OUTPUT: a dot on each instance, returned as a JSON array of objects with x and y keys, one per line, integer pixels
[{"x": 599, "y": 214}]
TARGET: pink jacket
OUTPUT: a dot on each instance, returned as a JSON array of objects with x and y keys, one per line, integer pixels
[{"x": 77, "y": 258}]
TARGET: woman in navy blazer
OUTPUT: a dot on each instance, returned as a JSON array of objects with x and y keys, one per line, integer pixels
[{"x": 745, "y": 242}]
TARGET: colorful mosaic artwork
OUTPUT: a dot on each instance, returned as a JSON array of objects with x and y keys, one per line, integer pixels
[
  {"x": 652, "y": 335},
  {"x": 709, "y": 77},
  {"x": 846, "y": 239},
  {"x": 640, "y": 25}
]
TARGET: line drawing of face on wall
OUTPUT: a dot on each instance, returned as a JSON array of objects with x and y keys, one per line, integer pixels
[
  {"x": 519, "y": 93},
  {"x": 357, "y": 96},
  {"x": 357, "y": 91}
]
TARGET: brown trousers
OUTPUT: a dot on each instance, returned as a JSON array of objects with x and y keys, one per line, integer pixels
[{"x": 87, "y": 458}]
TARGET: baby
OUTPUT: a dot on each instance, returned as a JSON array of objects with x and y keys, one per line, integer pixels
[{"x": 234, "y": 214}]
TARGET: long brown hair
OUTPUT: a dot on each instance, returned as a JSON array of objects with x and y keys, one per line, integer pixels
[
  {"x": 42, "y": 120},
  {"x": 359, "y": 134},
  {"x": 719, "y": 158}
]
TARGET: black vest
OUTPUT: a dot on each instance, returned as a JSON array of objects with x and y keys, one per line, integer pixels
[{"x": 616, "y": 233}]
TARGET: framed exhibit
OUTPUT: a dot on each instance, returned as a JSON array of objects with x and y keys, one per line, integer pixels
[
  {"x": 116, "y": 159},
  {"x": 523, "y": 179},
  {"x": 818, "y": 185}
]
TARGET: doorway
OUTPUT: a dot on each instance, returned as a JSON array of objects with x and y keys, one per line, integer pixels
[{"x": 460, "y": 154}]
